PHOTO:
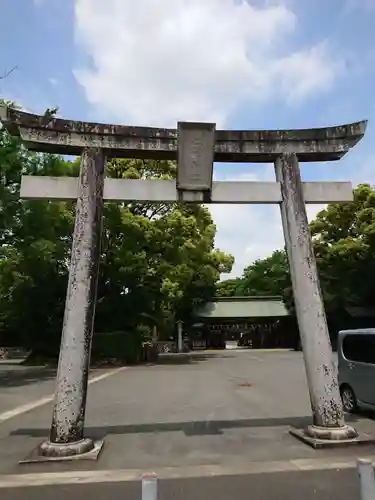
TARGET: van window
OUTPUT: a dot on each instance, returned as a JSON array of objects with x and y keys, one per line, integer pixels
[{"x": 359, "y": 348}]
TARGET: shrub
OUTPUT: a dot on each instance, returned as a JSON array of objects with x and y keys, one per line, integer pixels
[{"x": 122, "y": 346}]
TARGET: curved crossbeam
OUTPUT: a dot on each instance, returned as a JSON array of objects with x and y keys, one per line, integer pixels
[{"x": 49, "y": 134}]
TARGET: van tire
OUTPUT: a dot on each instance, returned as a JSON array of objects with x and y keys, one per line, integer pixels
[{"x": 349, "y": 401}]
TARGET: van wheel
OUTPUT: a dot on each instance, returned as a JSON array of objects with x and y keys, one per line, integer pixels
[{"x": 349, "y": 401}]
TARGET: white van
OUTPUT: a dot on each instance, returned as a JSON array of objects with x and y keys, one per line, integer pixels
[{"x": 356, "y": 366}]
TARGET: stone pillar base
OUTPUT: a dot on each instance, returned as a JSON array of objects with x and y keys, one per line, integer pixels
[
  {"x": 334, "y": 437},
  {"x": 332, "y": 433},
  {"x": 49, "y": 449},
  {"x": 84, "y": 449}
]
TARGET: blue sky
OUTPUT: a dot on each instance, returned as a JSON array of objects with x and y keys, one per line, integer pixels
[{"x": 255, "y": 64}]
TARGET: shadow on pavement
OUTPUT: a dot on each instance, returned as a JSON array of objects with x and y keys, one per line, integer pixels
[
  {"x": 189, "y": 358},
  {"x": 11, "y": 377},
  {"x": 193, "y": 428}
]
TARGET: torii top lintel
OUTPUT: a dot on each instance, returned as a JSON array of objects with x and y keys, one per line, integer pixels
[{"x": 55, "y": 135}]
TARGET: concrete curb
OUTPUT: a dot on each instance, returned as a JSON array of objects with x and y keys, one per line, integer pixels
[{"x": 126, "y": 475}]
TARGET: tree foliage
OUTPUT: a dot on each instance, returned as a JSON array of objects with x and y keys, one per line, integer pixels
[
  {"x": 344, "y": 244},
  {"x": 269, "y": 276},
  {"x": 158, "y": 261},
  {"x": 228, "y": 288}
]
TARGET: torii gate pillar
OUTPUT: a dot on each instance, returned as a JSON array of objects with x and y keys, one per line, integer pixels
[
  {"x": 321, "y": 372},
  {"x": 69, "y": 408}
]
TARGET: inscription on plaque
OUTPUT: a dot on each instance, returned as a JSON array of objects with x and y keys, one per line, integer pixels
[{"x": 195, "y": 155}]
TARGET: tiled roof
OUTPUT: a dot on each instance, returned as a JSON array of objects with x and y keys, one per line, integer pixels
[{"x": 244, "y": 307}]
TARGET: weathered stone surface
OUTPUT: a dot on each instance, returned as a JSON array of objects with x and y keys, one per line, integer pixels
[
  {"x": 66, "y": 188},
  {"x": 71, "y": 384},
  {"x": 41, "y": 133},
  {"x": 195, "y": 147},
  {"x": 321, "y": 370}
]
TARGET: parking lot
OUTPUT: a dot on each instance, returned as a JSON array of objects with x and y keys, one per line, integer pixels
[
  {"x": 223, "y": 414},
  {"x": 222, "y": 407}
]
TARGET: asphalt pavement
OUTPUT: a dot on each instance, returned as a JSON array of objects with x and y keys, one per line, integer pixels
[
  {"x": 229, "y": 410},
  {"x": 20, "y": 385}
]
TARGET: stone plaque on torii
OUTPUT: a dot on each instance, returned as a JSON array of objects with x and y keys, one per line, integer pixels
[{"x": 195, "y": 147}]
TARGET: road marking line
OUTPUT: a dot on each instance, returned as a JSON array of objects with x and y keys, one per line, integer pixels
[
  {"x": 42, "y": 401},
  {"x": 276, "y": 349},
  {"x": 256, "y": 358},
  {"x": 126, "y": 475}
]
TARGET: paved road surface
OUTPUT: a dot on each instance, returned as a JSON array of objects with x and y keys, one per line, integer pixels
[
  {"x": 221, "y": 408},
  {"x": 22, "y": 385},
  {"x": 224, "y": 409}
]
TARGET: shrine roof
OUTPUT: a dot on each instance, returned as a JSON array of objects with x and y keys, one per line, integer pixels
[{"x": 243, "y": 307}]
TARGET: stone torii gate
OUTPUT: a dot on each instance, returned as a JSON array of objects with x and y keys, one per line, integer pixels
[{"x": 195, "y": 146}]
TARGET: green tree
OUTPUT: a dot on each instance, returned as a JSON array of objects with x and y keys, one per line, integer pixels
[
  {"x": 344, "y": 242},
  {"x": 159, "y": 260},
  {"x": 35, "y": 237},
  {"x": 269, "y": 276},
  {"x": 157, "y": 263},
  {"x": 229, "y": 288},
  {"x": 344, "y": 245}
]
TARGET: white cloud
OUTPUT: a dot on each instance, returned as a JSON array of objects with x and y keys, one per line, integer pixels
[
  {"x": 307, "y": 72},
  {"x": 241, "y": 228},
  {"x": 158, "y": 62},
  {"x": 191, "y": 59},
  {"x": 53, "y": 81},
  {"x": 250, "y": 232}
]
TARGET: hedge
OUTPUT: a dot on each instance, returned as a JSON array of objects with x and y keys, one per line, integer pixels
[{"x": 123, "y": 346}]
